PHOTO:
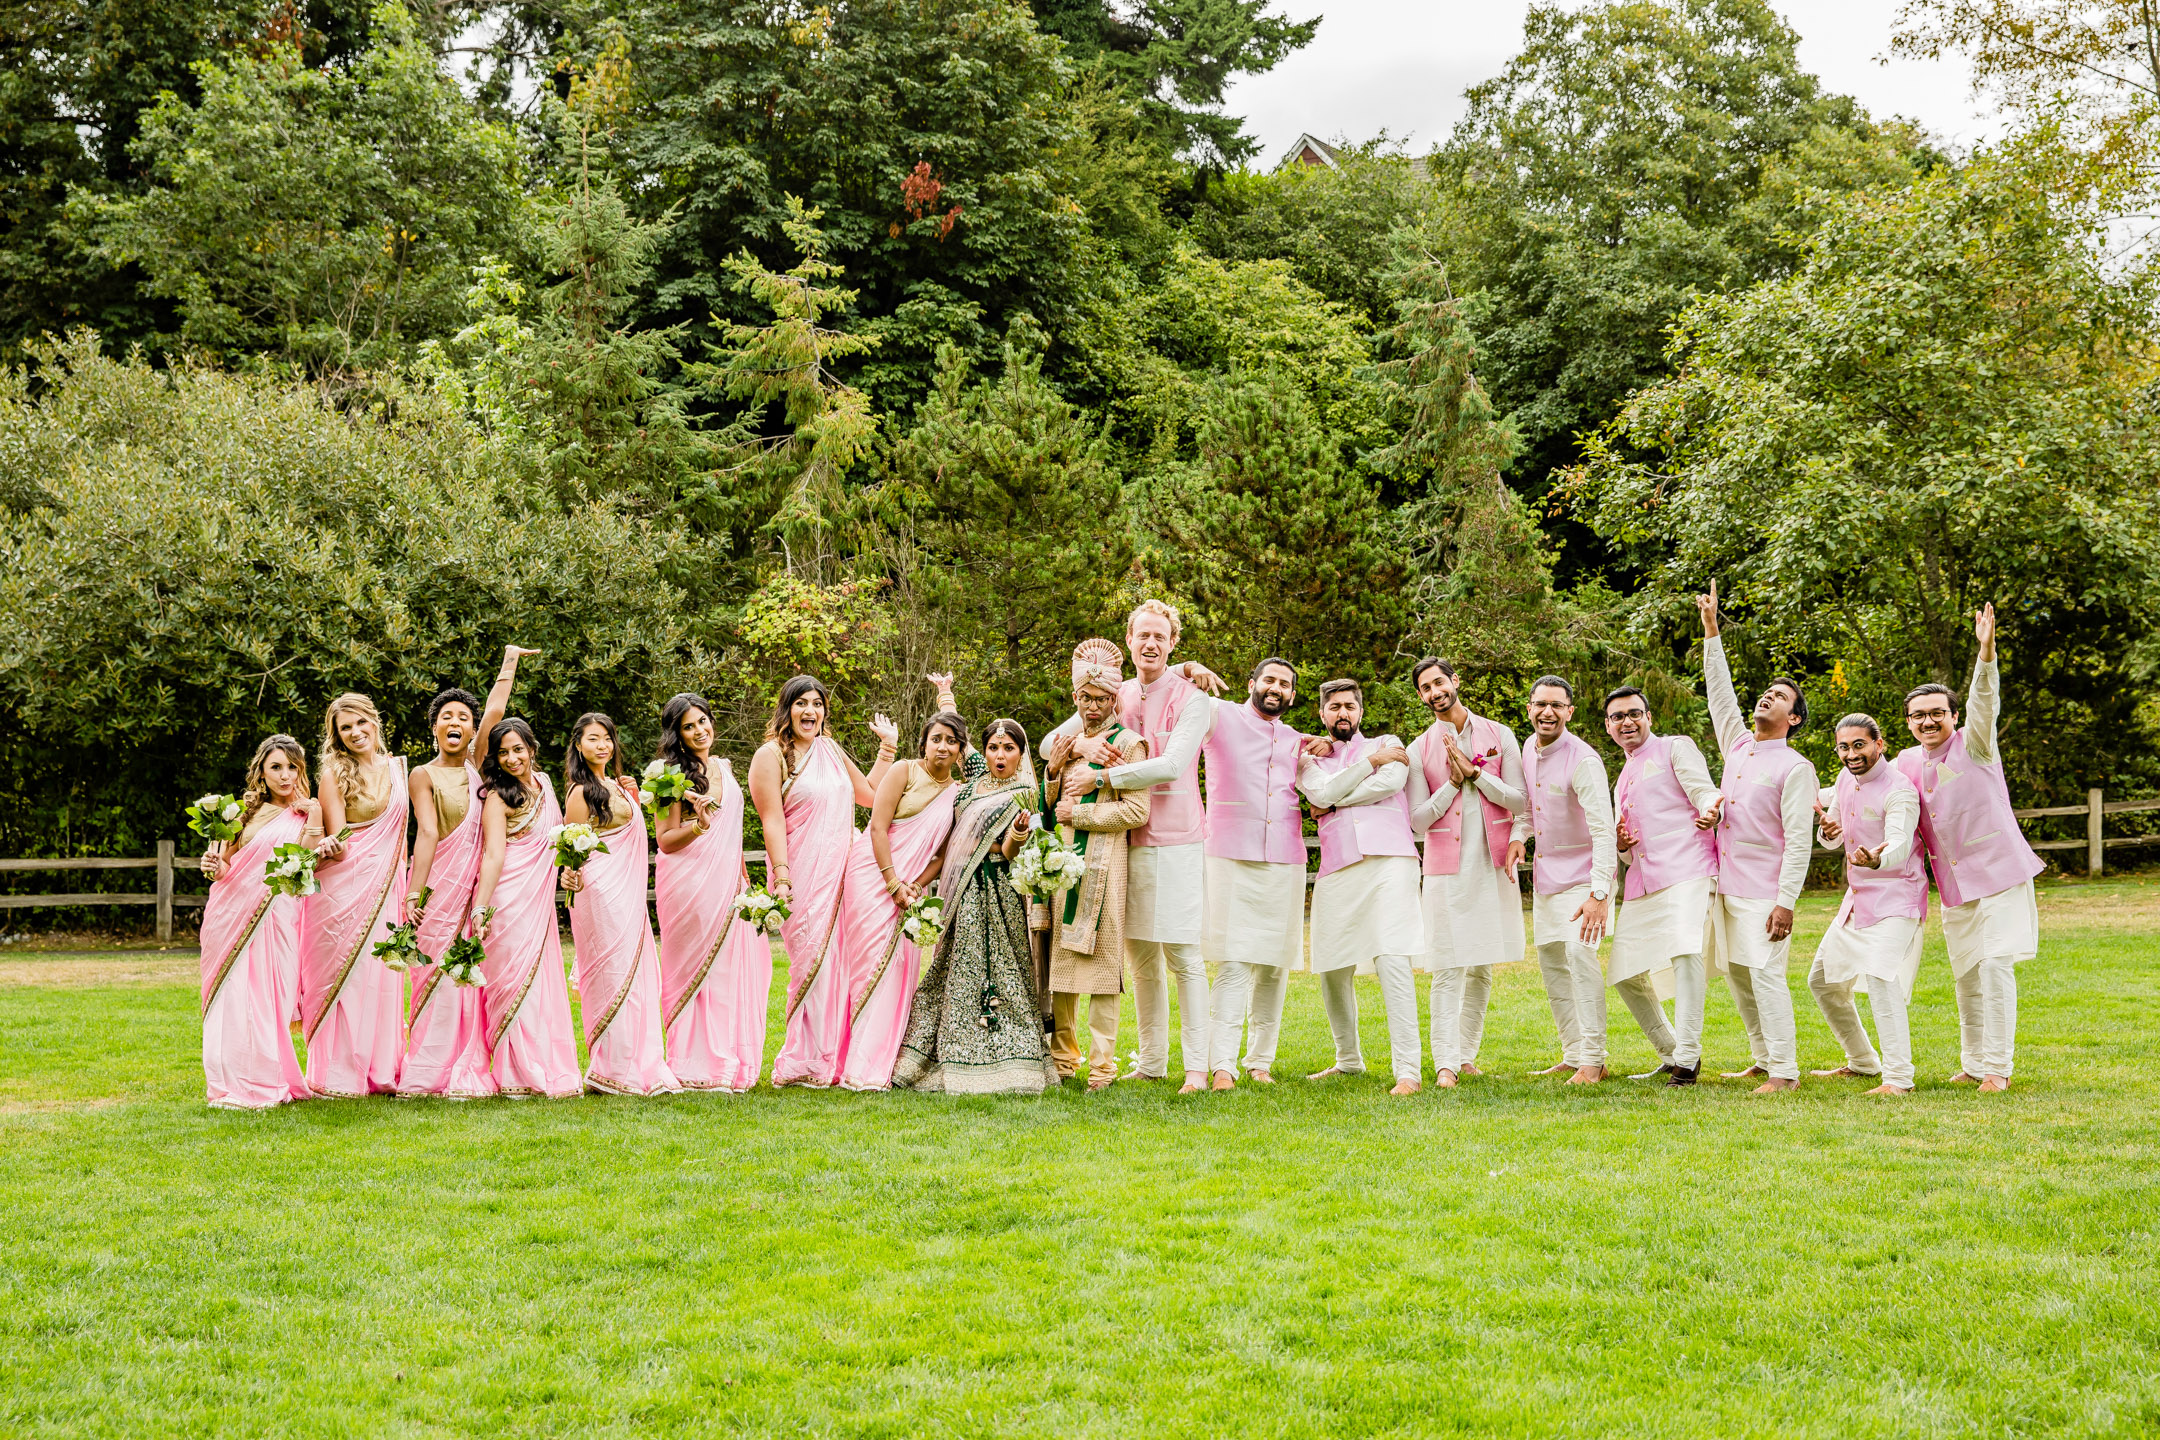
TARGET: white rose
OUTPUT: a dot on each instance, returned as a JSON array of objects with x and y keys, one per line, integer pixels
[
  {"x": 655, "y": 770},
  {"x": 587, "y": 841},
  {"x": 231, "y": 810}
]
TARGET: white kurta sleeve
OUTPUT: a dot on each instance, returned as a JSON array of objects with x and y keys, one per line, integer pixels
[
  {"x": 1825, "y": 797},
  {"x": 1726, "y": 716},
  {"x": 1901, "y": 820},
  {"x": 1796, "y": 807},
  {"x": 1506, "y": 788},
  {"x": 1426, "y": 805},
  {"x": 1692, "y": 773},
  {"x": 1194, "y": 725},
  {"x": 1588, "y": 783},
  {"x": 1071, "y": 726},
  {"x": 1355, "y": 784},
  {"x": 1983, "y": 705}
]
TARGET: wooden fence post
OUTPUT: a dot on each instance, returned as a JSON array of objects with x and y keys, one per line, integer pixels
[
  {"x": 164, "y": 890},
  {"x": 2094, "y": 845}
]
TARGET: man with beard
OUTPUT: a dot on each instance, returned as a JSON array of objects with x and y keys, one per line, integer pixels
[
  {"x": 1571, "y": 880},
  {"x": 1665, "y": 809},
  {"x": 1164, "y": 863},
  {"x": 1982, "y": 865},
  {"x": 1765, "y": 839},
  {"x": 1472, "y": 902},
  {"x": 1874, "y": 810},
  {"x": 1365, "y": 901},
  {"x": 1253, "y": 924}
]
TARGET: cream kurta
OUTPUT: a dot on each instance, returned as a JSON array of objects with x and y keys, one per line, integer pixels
[
  {"x": 1652, "y": 932},
  {"x": 1889, "y": 949},
  {"x": 1552, "y": 917},
  {"x": 1163, "y": 882},
  {"x": 1739, "y": 924},
  {"x": 1254, "y": 913},
  {"x": 1475, "y": 916},
  {"x": 2005, "y": 925},
  {"x": 1369, "y": 908},
  {"x": 1105, "y": 815}
]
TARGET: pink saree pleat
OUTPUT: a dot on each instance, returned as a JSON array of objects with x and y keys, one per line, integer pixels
[
  {"x": 446, "y": 1051},
  {"x": 716, "y": 975},
  {"x": 881, "y": 964},
  {"x": 618, "y": 970},
  {"x": 250, "y": 978},
  {"x": 820, "y": 813},
  {"x": 527, "y": 1002},
  {"x": 352, "y": 1006}
]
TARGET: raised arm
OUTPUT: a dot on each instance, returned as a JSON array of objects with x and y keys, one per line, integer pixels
[
  {"x": 1726, "y": 716},
  {"x": 497, "y": 703},
  {"x": 420, "y": 785},
  {"x": 1195, "y": 723},
  {"x": 1983, "y": 698},
  {"x": 888, "y": 746}
]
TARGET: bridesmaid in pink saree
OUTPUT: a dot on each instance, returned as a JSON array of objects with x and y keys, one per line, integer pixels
[
  {"x": 251, "y": 941},
  {"x": 446, "y": 1049},
  {"x": 352, "y": 1006},
  {"x": 527, "y": 1000},
  {"x": 894, "y": 860},
  {"x": 806, "y": 789},
  {"x": 715, "y": 972},
  {"x": 618, "y": 960}
]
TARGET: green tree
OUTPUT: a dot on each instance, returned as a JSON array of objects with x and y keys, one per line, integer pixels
[
  {"x": 1952, "y": 402},
  {"x": 325, "y": 214}
]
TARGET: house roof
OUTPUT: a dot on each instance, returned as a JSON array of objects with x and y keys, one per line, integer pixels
[{"x": 1309, "y": 150}]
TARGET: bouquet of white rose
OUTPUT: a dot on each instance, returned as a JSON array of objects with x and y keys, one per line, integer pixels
[
  {"x": 461, "y": 962},
  {"x": 924, "y": 921},
  {"x": 1046, "y": 868},
  {"x": 290, "y": 870},
  {"x": 762, "y": 909},
  {"x": 575, "y": 844},
  {"x": 216, "y": 818},
  {"x": 664, "y": 785},
  {"x": 401, "y": 951}
]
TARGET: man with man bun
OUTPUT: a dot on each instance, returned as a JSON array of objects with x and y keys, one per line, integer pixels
[
  {"x": 1571, "y": 877},
  {"x": 1765, "y": 839}
]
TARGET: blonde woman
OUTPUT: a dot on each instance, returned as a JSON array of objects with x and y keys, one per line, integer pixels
[{"x": 352, "y": 1006}]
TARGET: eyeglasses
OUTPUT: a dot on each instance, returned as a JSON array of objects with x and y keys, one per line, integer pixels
[
  {"x": 1613, "y": 715},
  {"x": 1927, "y": 714}
]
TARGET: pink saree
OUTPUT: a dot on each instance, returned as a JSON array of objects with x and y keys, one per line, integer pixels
[
  {"x": 527, "y": 1000},
  {"x": 618, "y": 970},
  {"x": 880, "y": 963},
  {"x": 250, "y": 973},
  {"x": 446, "y": 1049},
  {"x": 820, "y": 811},
  {"x": 352, "y": 1006},
  {"x": 715, "y": 973}
]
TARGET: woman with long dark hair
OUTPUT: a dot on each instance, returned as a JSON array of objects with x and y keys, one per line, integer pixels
[
  {"x": 527, "y": 1002},
  {"x": 715, "y": 971},
  {"x": 806, "y": 789},
  {"x": 618, "y": 960}
]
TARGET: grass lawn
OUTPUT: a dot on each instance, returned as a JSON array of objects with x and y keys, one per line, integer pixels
[{"x": 1513, "y": 1258}]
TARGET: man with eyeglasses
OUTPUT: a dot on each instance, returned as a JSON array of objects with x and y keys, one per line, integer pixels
[
  {"x": 1666, "y": 809},
  {"x": 1571, "y": 875},
  {"x": 1982, "y": 865},
  {"x": 1765, "y": 839}
]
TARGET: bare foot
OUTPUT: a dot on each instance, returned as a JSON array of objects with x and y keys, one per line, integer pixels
[
  {"x": 1224, "y": 1080},
  {"x": 1328, "y": 1074},
  {"x": 1261, "y": 1077},
  {"x": 1747, "y": 1074},
  {"x": 1888, "y": 1089},
  {"x": 1095, "y": 1085},
  {"x": 1773, "y": 1086},
  {"x": 1588, "y": 1075},
  {"x": 1191, "y": 1087},
  {"x": 1445, "y": 1079},
  {"x": 1195, "y": 1080},
  {"x": 1407, "y": 1087},
  {"x": 1843, "y": 1072},
  {"x": 1961, "y": 1078},
  {"x": 1994, "y": 1084},
  {"x": 1471, "y": 1069},
  {"x": 1553, "y": 1069}
]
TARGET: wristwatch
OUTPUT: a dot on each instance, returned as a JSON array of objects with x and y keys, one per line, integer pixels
[{"x": 1597, "y": 894}]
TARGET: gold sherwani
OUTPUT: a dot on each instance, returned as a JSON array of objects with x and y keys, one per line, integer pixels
[{"x": 1087, "y": 953}]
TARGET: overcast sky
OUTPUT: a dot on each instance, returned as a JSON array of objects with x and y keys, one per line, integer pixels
[{"x": 1402, "y": 66}]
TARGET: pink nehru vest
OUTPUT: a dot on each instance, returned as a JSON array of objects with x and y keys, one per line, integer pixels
[
  {"x": 1873, "y": 895},
  {"x": 1751, "y": 830},
  {"x": 1443, "y": 842},
  {"x": 1557, "y": 821},
  {"x": 1174, "y": 805},
  {"x": 1974, "y": 844},
  {"x": 1649, "y": 801},
  {"x": 1252, "y": 798},
  {"x": 1350, "y": 834}
]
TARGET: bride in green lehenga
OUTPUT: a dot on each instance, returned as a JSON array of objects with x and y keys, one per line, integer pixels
[{"x": 976, "y": 1027}]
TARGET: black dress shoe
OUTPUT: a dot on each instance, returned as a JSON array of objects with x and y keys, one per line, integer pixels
[
  {"x": 1681, "y": 1076},
  {"x": 1665, "y": 1069}
]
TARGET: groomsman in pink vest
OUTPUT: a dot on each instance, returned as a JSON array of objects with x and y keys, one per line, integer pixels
[
  {"x": 1666, "y": 810},
  {"x": 1765, "y": 839},
  {"x": 1466, "y": 799},
  {"x": 1571, "y": 879},
  {"x": 1875, "y": 939},
  {"x": 1365, "y": 900},
  {"x": 1982, "y": 865},
  {"x": 1253, "y": 921},
  {"x": 1164, "y": 863}
]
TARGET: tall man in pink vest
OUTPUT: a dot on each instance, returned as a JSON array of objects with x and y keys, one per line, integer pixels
[
  {"x": 1253, "y": 924},
  {"x": 1875, "y": 939},
  {"x": 1164, "y": 870},
  {"x": 1365, "y": 900},
  {"x": 1765, "y": 839},
  {"x": 1571, "y": 878},
  {"x": 1466, "y": 799},
  {"x": 1665, "y": 808},
  {"x": 1982, "y": 865}
]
